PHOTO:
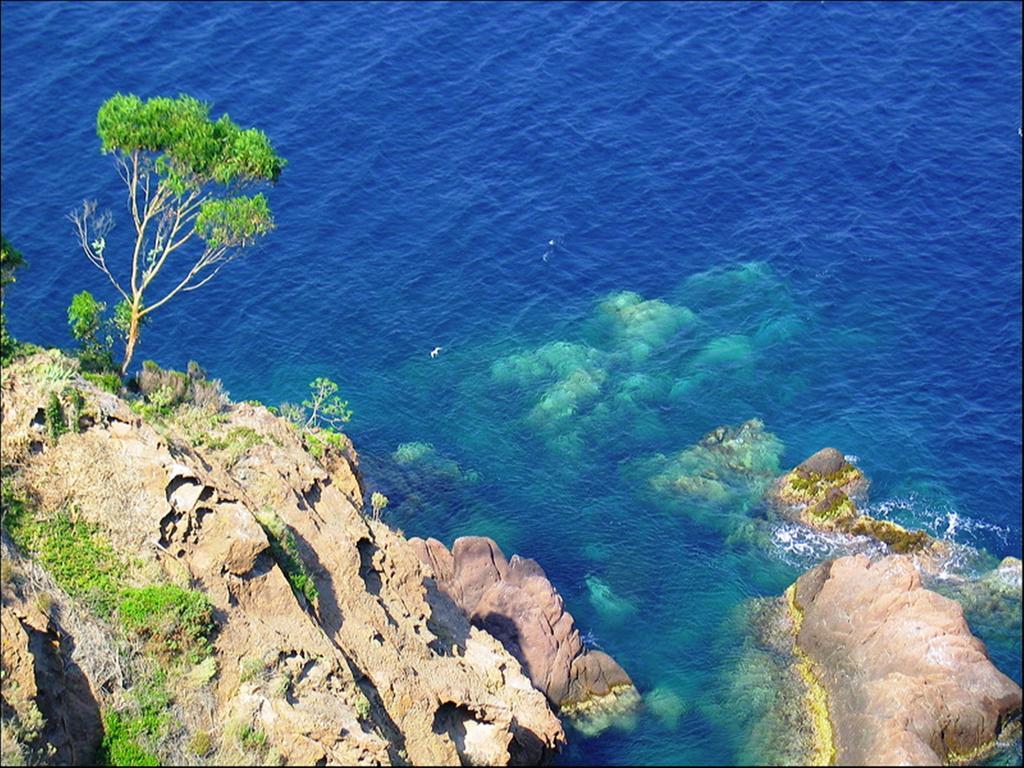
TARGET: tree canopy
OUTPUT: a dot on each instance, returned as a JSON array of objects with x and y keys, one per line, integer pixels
[{"x": 185, "y": 174}]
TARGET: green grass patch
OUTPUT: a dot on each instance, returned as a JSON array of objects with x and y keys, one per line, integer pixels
[
  {"x": 175, "y": 622},
  {"x": 252, "y": 739},
  {"x": 81, "y": 560},
  {"x": 108, "y": 382},
  {"x": 129, "y": 735}
]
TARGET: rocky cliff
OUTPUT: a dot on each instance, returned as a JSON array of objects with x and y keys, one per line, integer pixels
[
  {"x": 514, "y": 601},
  {"x": 327, "y": 641},
  {"x": 895, "y": 676}
]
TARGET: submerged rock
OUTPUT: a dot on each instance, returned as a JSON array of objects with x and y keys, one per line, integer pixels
[
  {"x": 426, "y": 457},
  {"x": 727, "y": 465},
  {"x": 570, "y": 377},
  {"x": 637, "y": 326},
  {"x": 514, "y": 601},
  {"x": 894, "y": 674},
  {"x": 666, "y": 705},
  {"x": 612, "y": 607}
]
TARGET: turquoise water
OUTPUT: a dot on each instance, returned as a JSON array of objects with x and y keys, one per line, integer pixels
[{"x": 626, "y": 225}]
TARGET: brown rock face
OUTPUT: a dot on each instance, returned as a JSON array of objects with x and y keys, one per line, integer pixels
[
  {"x": 907, "y": 683},
  {"x": 514, "y": 601},
  {"x": 56, "y": 712}
]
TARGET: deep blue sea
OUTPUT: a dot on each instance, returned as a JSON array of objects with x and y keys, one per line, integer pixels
[{"x": 625, "y": 225}]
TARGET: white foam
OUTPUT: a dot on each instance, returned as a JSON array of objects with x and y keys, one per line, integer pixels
[{"x": 800, "y": 546}]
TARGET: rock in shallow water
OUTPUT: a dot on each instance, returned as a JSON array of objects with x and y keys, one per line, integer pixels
[
  {"x": 821, "y": 493},
  {"x": 514, "y": 601},
  {"x": 905, "y": 681}
]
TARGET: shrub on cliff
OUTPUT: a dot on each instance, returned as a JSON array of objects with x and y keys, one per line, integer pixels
[
  {"x": 176, "y": 622},
  {"x": 10, "y": 261},
  {"x": 164, "y": 389},
  {"x": 184, "y": 172}
]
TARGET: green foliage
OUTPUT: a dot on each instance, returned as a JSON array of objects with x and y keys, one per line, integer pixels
[
  {"x": 122, "y": 318},
  {"x": 198, "y": 425},
  {"x": 378, "y": 503},
  {"x": 293, "y": 414},
  {"x": 56, "y": 425},
  {"x": 185, "y": 173},
  {"x": 320, "y": 416},
  {"x": 77, "y": 406},
  {"x": 128, "y": 734},
  {"x": 194, "y": 150},
  {"x": 317, "y": 442},
  {"x": 57, "y": 372},
  {"x": 285, "y": 550},
  {"x": 81, "y": 561},
  {"x": 252, "y": 669},
  {"x": 252, "y": 739},
  {"x": 362, "y": 705},
  {"x": 85, "y": 316},
  {"x": 175, "y": 621},
  {"x": 325, "y": 407},
  {"x": 166, "y": 389},
  {"x": 235, "y": 221},
  {"x": 203, "y": 672},
  {"x": 120, "y": 745},
  {"x": 236, "y": 442},
  {"x": 109, "y": 382},
  {"x": 201, "y": 744},
  {"x": 11, "y": 260},
  {"x": 13, "y": 507}
]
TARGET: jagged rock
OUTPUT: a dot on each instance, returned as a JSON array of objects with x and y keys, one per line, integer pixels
[
  {"x": 821, "y": 492},
  {"x": 47, "y": 701},
  {"x": 514, "y": 601},
  {"x": 378, "y": 667},
  {"x": 906, "y": 682}
]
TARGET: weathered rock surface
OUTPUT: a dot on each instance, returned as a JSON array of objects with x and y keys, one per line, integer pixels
[
  {"x": 821, "y": 492},
  {"x": 440, "y": 691},
  {"x": 45, "y": 693},
  {"x": 906, "y": 681},
  {"x": 514, "y": 601}
]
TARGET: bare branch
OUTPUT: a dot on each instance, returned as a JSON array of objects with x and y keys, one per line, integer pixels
[
  {"x": 184, "y": 212},
  {"x": 218, "y": 256},
  {"x": 92, "y": 230},
  {"x": 134, "y": 187}
]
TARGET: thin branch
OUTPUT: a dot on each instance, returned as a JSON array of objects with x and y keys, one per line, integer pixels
[
  {"x": 208, "y": 259},
  {"x": 134, "y": 190},
  {"x": 94, "y": 243},
  {"x": 182, "y": 215}
]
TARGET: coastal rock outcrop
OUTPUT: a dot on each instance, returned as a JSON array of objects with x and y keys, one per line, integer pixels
[
  {"x": 821, "y": 492},
  {"x": 895, "y": 675},
  {"x": 514, "y": 601},
  {"x": 53, "y": 713},
  {"x": 329, "y": 647}
]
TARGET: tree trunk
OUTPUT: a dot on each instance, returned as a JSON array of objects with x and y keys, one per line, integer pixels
[{"x": 131, "y": 341}]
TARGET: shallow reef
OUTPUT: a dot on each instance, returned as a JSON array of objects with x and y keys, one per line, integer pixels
[{"x": 727, "y": 472}]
